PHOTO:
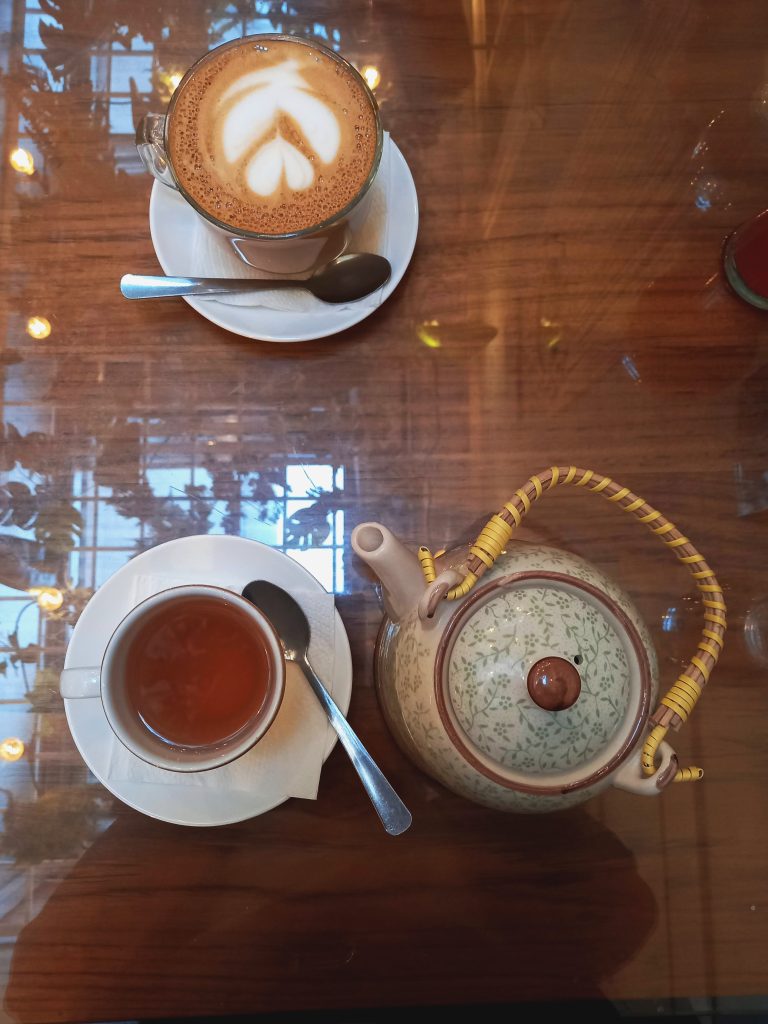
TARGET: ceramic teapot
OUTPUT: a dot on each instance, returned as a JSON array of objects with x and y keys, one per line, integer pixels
[{"x": 521, "y": 676}]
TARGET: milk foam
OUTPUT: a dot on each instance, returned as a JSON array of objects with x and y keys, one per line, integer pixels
[
  {"x": 274, "y": 161},
  {"x": 261, "y": 97},
  {"x": 272, "y": 138}
]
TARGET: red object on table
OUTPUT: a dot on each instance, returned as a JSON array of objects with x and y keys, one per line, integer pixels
[{"x": 746, "y": 260}]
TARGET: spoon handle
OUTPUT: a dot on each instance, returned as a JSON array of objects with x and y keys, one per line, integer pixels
[
  {"x": 395, "y": 816},
  {"x": 147, "y": 286}
]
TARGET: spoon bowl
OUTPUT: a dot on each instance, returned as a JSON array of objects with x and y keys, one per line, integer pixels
[{"x": 351, "y": 276}]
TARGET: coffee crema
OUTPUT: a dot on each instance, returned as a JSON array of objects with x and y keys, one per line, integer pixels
[
  {"x": 271, "y": 136},
  {"x": 197, "y": 671}
]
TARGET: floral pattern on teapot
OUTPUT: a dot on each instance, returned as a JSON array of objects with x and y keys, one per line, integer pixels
[{"x": 488, "y": 690}]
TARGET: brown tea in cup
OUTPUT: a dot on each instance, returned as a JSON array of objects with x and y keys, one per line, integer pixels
[{"x": 197, "y": 671}]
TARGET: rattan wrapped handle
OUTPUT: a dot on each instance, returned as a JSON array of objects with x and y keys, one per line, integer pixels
[{"x": 680, "y": 700}]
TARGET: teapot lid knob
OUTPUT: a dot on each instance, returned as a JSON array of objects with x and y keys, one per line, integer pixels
[{"x": 554, "y": 684}]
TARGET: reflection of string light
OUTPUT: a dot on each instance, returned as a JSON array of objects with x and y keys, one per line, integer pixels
[
  {"x": 554, "y": 340},
  {"x": 21, "y": 160},
  {"x": 48, "y": 598},
  {"x": 169, "y": 80},
  {"x": 427, "y": 335},
  {"x": 38, "y": 327},
  {"x": 11, "y": 749},
  {"x": 372, "y": 75}
]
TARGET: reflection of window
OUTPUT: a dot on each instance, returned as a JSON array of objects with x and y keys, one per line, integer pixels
[
  {"x": 300, "y": 517},
  {"x": 326, "y": 560},
  {"x": 121, "y": 74},
  {"x": 232, "y": 27},
  {"x": 112, "y": 67}
]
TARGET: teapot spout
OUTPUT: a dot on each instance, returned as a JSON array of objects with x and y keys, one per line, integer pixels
[{"x": 397, "y": 567}]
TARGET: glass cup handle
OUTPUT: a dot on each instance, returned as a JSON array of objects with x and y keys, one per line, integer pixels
[
  {"x": 150, "y": 136},
  {"x": 80, "y": 682}
]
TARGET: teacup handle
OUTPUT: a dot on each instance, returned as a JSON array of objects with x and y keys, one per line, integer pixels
[
  {"x": 150, "y": 142},
  {"x": 80, "y": 682}
]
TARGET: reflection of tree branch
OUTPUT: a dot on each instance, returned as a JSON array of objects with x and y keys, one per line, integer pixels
[
  {"x": 19, "y": 657},
  {"x": 311, "y": 526},
  {"x": 41, "y": 508},
  {"x": 19, "y": 616},
  {"x": 37, "y": 506}
]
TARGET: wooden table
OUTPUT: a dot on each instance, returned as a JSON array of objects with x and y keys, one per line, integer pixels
[{"x": 578, "y": 166}]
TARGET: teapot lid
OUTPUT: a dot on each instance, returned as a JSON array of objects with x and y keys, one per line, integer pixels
[{"x": 542, "y": 682}]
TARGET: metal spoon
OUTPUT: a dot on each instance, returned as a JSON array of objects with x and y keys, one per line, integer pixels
[
  {"x": 348, "y": 277},
  {"x": 291, "y": 624}
]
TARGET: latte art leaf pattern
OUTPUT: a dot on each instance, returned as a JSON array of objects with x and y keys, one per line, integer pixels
[
  {"x": 274, "y": 159},
  {"x": 250, "y": 131}
]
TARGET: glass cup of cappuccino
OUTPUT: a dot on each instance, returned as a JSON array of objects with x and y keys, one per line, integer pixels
[{"x": 275, "y": 142}]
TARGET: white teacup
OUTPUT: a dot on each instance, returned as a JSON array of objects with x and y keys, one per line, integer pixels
[{"x": 107, "y": 682}]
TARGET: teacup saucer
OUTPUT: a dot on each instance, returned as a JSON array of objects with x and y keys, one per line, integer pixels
[
  {"x": 235, "y": 561},
  {"x": 172, "y": 224}
]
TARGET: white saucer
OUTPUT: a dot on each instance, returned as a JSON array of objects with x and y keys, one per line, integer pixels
[
  {"x": 236, "y": 561},
  {"x": 172, "y": 226}
]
